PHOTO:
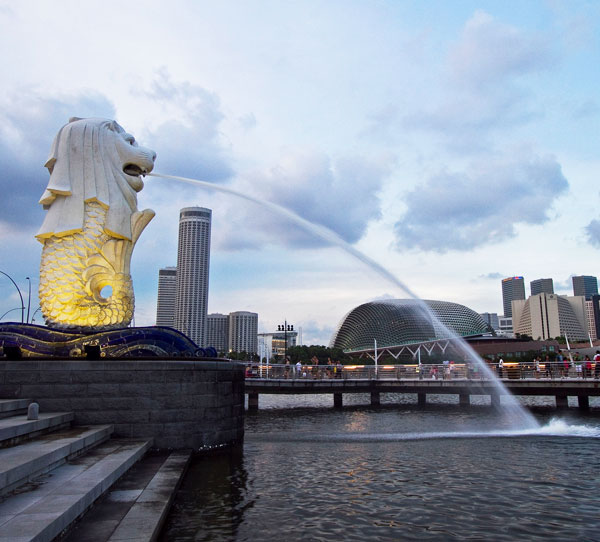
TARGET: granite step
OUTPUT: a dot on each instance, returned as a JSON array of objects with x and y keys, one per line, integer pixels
[
  {"x": 25, "y": 461},
  {"x": 42, "y": 509},
  {"x": 10, "y": 407},
  {"x": 136, "y": 507},
  {"x": 16, "y": 429}
]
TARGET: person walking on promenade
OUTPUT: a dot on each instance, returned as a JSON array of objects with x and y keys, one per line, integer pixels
[
  {"x": 500, "y": 367},
  {"x": 549, "y": 368},
  {"x": 597, "y": 364},
  {"x": 298, "y": 369},
  {"x": 587, "y": 366},
  {"x": 287, "y": 368},
  {"x": 564, "y": 369}
]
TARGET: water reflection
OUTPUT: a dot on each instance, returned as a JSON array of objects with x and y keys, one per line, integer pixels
[{"x": 364, "y": 473}]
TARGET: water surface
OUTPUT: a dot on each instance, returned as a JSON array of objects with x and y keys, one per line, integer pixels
[{"x": 397, "y": 472}]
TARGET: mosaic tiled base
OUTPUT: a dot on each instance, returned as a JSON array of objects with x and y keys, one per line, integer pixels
[{"x": 131, "y": 342}]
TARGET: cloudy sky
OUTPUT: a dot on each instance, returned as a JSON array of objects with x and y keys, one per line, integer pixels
[{"x": 454, "y": 143}]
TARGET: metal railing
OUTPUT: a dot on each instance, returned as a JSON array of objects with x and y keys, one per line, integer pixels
[{"x": 450, "y": 371}]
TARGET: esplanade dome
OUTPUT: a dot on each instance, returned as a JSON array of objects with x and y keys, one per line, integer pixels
[{"x": 395, "y": 322}]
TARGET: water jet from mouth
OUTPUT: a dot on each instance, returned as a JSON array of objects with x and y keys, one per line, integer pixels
[{"x": 520, "y": 417}]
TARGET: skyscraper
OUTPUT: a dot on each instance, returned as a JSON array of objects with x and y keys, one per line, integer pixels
[
  {"x": 513, "y": 288},
  {"x": 165, "y": 304},
  {"x": 193, "y": 260},
  {"x": 542, "y": 286},
  {"x": 217, "y": 332},
  {"x": 585, "y": 285},
  {"x": 243, "y": 332}
]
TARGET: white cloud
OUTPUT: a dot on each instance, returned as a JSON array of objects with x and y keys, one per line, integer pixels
[{"x": 482, "y": 205}]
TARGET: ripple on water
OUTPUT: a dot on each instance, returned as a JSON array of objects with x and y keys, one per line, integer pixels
[{"x": 312, "y": 474}]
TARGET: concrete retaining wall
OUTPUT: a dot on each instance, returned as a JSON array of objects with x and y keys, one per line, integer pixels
[{"x": 180, "y": 403}]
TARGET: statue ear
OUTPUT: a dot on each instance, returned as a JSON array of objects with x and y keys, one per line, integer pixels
[{"x": 74, "y": 119}]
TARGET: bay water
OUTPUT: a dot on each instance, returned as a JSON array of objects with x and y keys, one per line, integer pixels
[{"x": 307, "y": 471}]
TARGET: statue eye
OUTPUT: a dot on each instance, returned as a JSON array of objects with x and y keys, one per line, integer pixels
[{"x": 130, "y": 139}]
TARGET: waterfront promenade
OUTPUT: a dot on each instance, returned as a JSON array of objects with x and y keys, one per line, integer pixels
[{"x": 460, "y": 380}]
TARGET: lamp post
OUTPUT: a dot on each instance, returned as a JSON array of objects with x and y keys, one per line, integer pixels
[
  {"x": 20, "y": 295},
  {"x": 28, "y": 299},
  {"x": 10, "y": 310},
  {"x": 285, "y": 327},
  {"x": 34, "y": 313}
]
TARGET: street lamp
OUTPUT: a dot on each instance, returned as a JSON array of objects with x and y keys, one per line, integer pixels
[
  {"x": 18, "y": 290},
  {"x": 285, "y": 327},
  {"x": 28, "y": 299},
  {"x": 10, "y": 310}
]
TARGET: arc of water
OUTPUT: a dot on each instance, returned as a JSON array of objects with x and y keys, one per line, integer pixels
[{"x": 525, "y": 418}]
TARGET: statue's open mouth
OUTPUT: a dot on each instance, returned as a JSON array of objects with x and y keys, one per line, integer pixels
[{"x": 133, "y": 170}]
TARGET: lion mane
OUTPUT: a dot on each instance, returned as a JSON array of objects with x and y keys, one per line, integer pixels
[{"x": 86, "y": 164}]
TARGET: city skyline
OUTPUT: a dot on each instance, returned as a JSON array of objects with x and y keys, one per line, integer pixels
[{"x": 456, "y": 149}]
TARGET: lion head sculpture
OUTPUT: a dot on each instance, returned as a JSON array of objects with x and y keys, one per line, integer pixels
[
  {"x": 93, "y": 160},
  {"x": 91, "y": 226}
]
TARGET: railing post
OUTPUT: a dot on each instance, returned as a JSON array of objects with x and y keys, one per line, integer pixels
[
  {"x": 337, "y": 400},
  {"x": 464, "y": 399},
  {"x": 421, "y": 398},
  {"x": 583, "y": 401},
  {"x": 562, "y": 401},
  {"x": 375, "y": 398},
  {"x": 253, "y": 401}
]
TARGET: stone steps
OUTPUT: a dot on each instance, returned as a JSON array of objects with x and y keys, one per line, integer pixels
[
  {"x": 10, "y": 407},
  {"x": 18, "y": 428},
  {"x": 135, "y": 507},
  {"x": 21, "y": 463},
  {"x": 42, "y": 509}
]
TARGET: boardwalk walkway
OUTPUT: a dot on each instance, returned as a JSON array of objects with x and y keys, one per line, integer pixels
[{"x": 389, "y": 380}]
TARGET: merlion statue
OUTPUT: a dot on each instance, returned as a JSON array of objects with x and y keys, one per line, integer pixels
[{"x": 91, "y": 226}]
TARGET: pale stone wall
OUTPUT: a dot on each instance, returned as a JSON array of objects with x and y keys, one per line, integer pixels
[{"x": 180, "y": 403}]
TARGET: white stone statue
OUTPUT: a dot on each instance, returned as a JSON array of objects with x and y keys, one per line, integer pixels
[{"x": 91, "y": 226}]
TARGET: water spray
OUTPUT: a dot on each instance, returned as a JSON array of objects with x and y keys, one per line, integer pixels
[{"x": 525, "y": 419}]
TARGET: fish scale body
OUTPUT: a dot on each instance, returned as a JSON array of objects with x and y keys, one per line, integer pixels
[{"x": 70, "y": 283}]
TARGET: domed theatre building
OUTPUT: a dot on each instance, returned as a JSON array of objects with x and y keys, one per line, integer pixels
[{"x": 399, "y": 324}]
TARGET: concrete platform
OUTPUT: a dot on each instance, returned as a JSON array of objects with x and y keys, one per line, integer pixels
[
  {"x": 136, "y": 507},
  {"x": 44, "y": 508},
  {"x": 23, "y": 462},
  {"x": 17, "y": 428}
]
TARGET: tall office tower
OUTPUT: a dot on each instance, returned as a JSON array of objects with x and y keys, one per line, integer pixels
[
  {"x": 243, "y": 332},
  {"x": 491, "y": 319},
  {"x": 596, "y": 311},
  {"x": 542, "y": 286},
  {"x": 217, "y": 331},
  {"x": 513, "y": 288},
  {"x": 585, "y": 285},
  {"x": 547, "y": 316},
  {"x": 165, "y": 304},
  {"x": 193, "y": 260},
  {"x": 591, "y": 319}
]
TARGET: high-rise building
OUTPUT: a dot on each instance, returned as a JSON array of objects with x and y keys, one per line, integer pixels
[
  {"x": 596, "y": 312},
  {"x": 243, "y": 332},
  {"x": 591, "y": 319},
  {"x": 165, "y": 304},
  {"x": 217, "y": 331},
  {"x": 585, "y": 285},
  {"x": 513, "y": 288},
  {"x": 547, "y": 316},
  {"x": 193, "y": 260},
  {"x": 491, "y": 319},
  {"x": 542, "y": 286}
]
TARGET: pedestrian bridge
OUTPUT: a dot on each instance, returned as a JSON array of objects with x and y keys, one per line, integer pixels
[{"x": 461, "y": 380}]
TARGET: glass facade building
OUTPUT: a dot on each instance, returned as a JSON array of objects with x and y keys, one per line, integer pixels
[{"x": 513, "y": 289}]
